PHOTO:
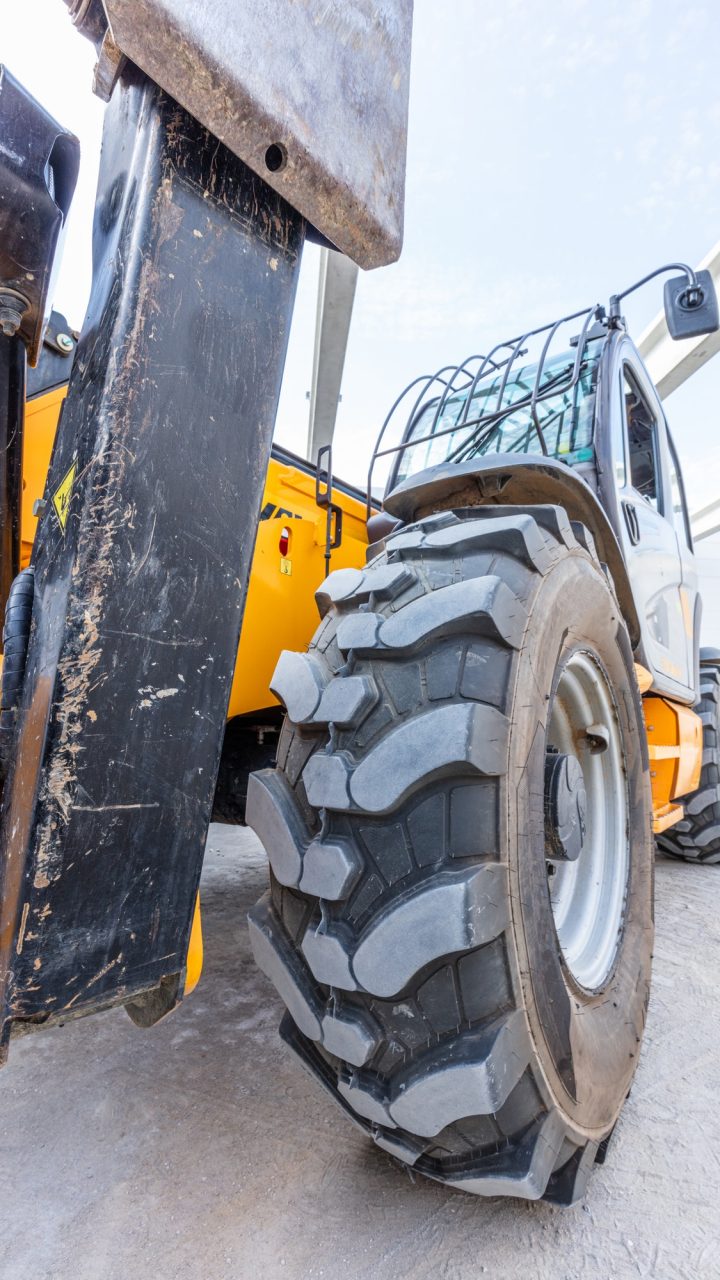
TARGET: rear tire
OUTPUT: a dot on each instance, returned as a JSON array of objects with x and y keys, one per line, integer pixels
[
  {"x": 16, "y": 638},
  {"x": 696, "y": 838},
  {"x": 409, "y": 926}
]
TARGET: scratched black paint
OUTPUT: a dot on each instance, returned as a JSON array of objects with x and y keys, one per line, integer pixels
[{"x": 139, "y": 601}]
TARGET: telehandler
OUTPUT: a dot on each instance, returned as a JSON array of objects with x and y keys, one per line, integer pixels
[{"x": 495, "y": 717}]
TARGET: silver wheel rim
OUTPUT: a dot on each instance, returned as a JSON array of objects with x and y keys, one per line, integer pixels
[{"x": 588, "y": 896}]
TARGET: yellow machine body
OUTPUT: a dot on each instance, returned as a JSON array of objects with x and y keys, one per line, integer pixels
[
  {"x": 280, "y": 612},
  {"x": 675, "y": 748}
]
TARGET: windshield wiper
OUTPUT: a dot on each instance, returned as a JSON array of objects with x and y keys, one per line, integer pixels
[{"x": 469, "y": 448}]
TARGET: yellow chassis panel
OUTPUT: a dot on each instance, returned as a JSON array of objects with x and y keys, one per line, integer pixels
[
  {"x": 280, "y": 612},
  {"x": 674, "y": 735}
]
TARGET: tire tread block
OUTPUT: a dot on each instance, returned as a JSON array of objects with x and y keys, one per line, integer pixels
[
  {"x": 345, "y": 586},
  {"x": 272, "y": 813},
  {"x": 330, "y": 868},
  {"x": 469, "y": 738},
  {"x": 443, "y": 916},
  {"x": 518, "y": 536},
  {"x": 325, "y": 868},
  {"x": 329, "y": 955},
  {"x": 525, "y": 1172},
  {"x": 702, "y": 800},
  {"x": 400, "y": 1145},
  {"x": 345, "y": 701},
  {"x": 365, "y": 1102},
  {"x": 567, "y": 1185},
  {"x": 552, "y": 519},
  {"x": 438, "y": 1093},
  {"x": 350, "y": 1034},
  {"x": 448, "y": 915},
  {"x": 484, "y": 606},
  {"x": 280, "y": 963},
  {"x": 710, "y": 835},
  {"x": 298, "y": 682}
]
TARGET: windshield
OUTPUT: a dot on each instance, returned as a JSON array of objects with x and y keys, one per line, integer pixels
[{"x": 566, "y": 418}]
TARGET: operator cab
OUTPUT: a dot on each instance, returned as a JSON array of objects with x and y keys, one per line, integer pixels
[{"x": 586, "y": 400}]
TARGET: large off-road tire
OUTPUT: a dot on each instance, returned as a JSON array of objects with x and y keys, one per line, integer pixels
[
  {"x": 696, "y": 838},
  {"x": 410, "y": 926}
]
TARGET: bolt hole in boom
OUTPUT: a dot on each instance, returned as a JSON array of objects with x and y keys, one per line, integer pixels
[{"x": 275, "y": 157}]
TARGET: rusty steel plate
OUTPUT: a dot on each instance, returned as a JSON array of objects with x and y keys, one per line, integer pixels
[{"x": 311, "y": 94}]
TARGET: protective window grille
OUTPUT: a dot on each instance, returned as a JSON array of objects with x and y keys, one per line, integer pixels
[{"x": 500, "y": 402}]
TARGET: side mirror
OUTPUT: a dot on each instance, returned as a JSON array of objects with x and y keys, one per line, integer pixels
[{"x": 691, "y": 312}]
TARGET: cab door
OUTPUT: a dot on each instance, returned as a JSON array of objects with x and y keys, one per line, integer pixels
[
  {"x": 647, "y": 529},
  {"x": 690, "y": 590}
]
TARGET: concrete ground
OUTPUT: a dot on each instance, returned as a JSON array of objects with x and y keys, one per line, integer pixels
[{"x": 201, "y": 1151}]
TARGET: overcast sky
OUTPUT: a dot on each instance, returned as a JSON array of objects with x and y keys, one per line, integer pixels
[{"x": 557, "y": 151}]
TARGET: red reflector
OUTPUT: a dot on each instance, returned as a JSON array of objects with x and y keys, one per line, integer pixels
[{"x": 284, "y": 541}]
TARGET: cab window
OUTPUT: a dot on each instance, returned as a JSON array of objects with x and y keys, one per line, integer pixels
[{"x": 641, "y": 426}]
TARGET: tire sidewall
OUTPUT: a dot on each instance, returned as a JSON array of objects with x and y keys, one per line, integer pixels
[{"x": 587, "y": 1043}]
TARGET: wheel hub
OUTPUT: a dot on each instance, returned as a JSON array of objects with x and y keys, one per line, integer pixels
[
  {"x": 586, "y": 820},
  {"x": 565, "y": 807}
]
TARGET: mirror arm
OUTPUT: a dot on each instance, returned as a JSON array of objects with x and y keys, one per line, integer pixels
[{"x": 693, "y": 295}]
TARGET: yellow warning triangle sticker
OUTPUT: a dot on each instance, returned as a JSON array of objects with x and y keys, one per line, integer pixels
[{"x": 62, "y": 495}]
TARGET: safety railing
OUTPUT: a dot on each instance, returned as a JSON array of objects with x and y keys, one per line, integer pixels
[{"x": 465, "y": 383}]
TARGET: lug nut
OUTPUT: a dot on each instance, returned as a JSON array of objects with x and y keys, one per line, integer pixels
[{"x": 12, "y": 310}]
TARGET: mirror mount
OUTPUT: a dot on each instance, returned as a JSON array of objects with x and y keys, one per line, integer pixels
[
  {"x": 690, "y": 300},
  {"x": 691, "y": 311}
]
